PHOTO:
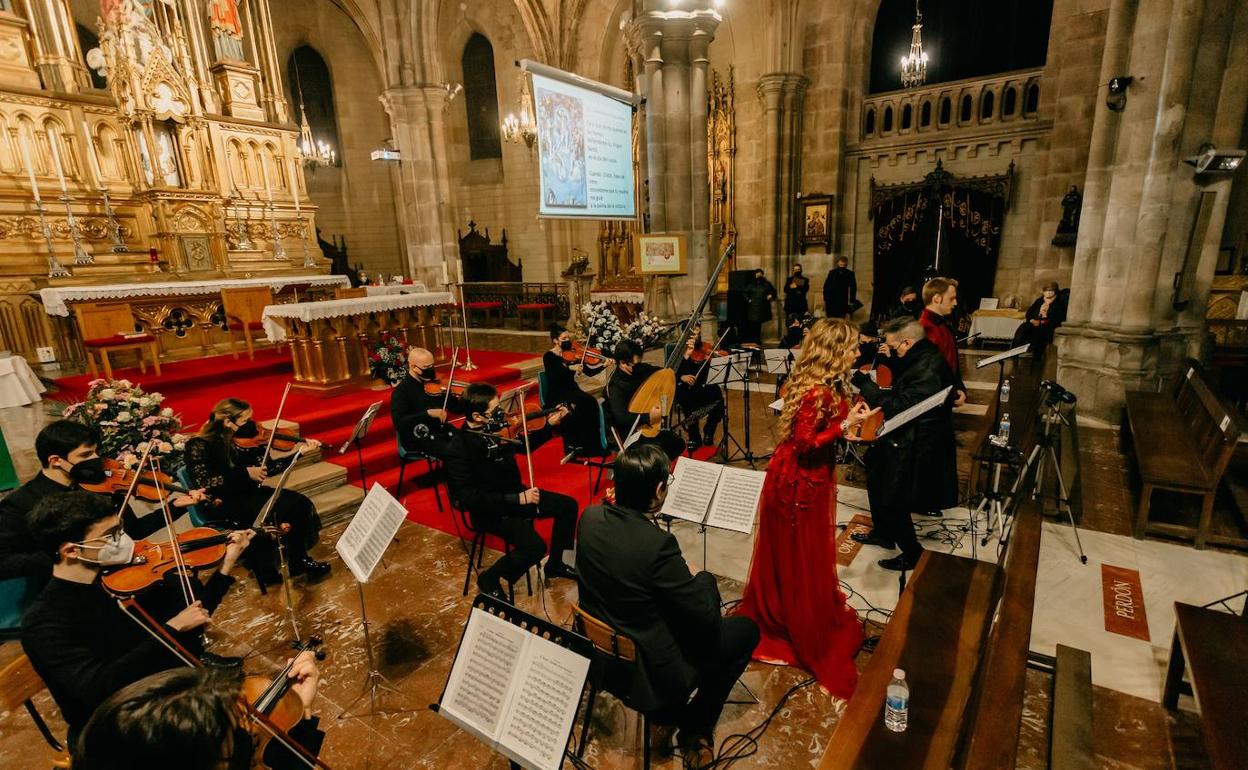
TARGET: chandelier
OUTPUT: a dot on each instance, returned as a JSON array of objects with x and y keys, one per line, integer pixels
[
  {"x": 312, "y": 152},
  {"x": 523, "y": 128},
  {"x": 914, "y": 66}
]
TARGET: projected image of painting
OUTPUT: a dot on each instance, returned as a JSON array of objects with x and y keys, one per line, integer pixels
[{"x": 561, "y": 127}]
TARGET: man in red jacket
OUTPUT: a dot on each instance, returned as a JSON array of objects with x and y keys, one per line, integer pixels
[{"x": 940, "y": 297}]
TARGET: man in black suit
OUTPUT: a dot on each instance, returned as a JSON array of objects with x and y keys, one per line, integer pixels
[
  {"x": 418, "y": 417},
  {"x": 633, "y": 577},
  {"x": 914, "y": 468},
  {"x": 907, "y": 304},
  {"x": 840, "y": 291},
  {"x": 484, "y": 479}
]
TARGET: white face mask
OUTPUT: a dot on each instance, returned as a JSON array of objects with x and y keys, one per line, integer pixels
[{"x": 116, "y": 550}]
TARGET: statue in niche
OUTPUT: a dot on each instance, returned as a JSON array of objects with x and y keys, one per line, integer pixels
[
  {"x": 227, "y": 30},
  {"x": 1068, "y": 227}
]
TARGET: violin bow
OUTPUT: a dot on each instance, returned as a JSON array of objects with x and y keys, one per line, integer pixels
[
  {"x": 134, "y": 483},
  {"x": 446, "y": 397},
  {"x": 708, "y": 357},
  {"x": 184, "y": 576},
  {"x": 277, "y": 424}
]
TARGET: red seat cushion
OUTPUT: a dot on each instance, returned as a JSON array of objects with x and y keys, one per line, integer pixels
[
  {"x": 536, "y": 306},
  {"x": 238, "y": 326},
  {"x": 483, "y": 305},
  {"x": 116, "y": 340}
]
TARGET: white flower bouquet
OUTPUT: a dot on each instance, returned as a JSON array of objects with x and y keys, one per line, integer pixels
[{"x": 128, "y": 421}]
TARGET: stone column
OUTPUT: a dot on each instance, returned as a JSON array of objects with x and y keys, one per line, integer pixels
[
  {"x": 416, "y": 119},
  {"x": 782, "y": 94},
  {"x": 58, "y": 57},
  {"x": 673, "y": 46}
]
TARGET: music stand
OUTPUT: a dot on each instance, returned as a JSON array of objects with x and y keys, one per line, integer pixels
[
  {"x": 779, "y": 361},
  {"x": 362, "y": 545},
  {"x": 736, "y": 367},
  {"x": 283, "y": 567},
  {"x": 357, "y": 436},
  {"x": 1000, "y": 359}
]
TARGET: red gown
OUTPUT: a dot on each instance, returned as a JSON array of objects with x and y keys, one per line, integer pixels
[{"x": 792, "y": 592}]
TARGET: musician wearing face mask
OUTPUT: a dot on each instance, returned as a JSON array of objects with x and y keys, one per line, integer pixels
[
  {"x": 795, "y": 290},
  {"x": 692, "y": 392},
  {"x": 630, "y": 372},
  {"x": 634, "y": 577},
  {"x": 236, "y": 476},
  {"x": 189, "y": 718},
  {"x": 580, "y": 428},
  {"x": 68, "y": 456},
  {"x": 484, "y": 480},
  {"x": 417, "y": 409},
  {"x": 81, "y": 643}
]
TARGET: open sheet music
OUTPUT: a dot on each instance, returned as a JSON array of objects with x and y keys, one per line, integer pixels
[
  {"x": 714, "y": 495},
  {"x": 515, "y": 690},
  {"x": 924, "y": 406},
  {"x": 779, "y": 360},
  {"x": 370, "y": 532},
  {"x": 990, "y": 360}
]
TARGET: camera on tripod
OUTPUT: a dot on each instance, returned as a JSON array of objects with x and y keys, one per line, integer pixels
[{"x": 1055, "y": 395}]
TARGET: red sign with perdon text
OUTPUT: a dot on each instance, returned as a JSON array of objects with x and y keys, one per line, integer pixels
[{"x": 1124, "y": 602}]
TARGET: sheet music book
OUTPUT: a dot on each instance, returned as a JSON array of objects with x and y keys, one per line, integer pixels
[
  {"x": 924, "y": 406},
  {"x": 370, "y": 532},
  {"x": 734, "y": 367},
  {"x": 361, "y": 427},
  {"x": 714, "y": 495},
  {"x": 779, "y": 360},
  {"x": 515, "y": 690},
  {"x": 990, "y": 360}
]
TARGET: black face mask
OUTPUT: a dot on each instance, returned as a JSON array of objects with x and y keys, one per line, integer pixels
[
  {"x": 565, "y": 344},
  {"x": 248, "y": 429},
  {"x": 495, "y": 421},
  {"x": 758, "y": 279},
  {"x": 88, "y": 471},
  {"x": 428, "y": 373}
]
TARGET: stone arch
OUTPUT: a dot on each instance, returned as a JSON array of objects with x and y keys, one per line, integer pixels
[
  {"x": 886, "y": 126},
  {"x": 308, "y": 74},
  {"x": 987, "y": 105},
  {"x": 481, "y": 98},
  {"x": 966, "y": 109},
  {"x": 1009, "y": 102},
  {"x": 868, "y": 125},
  {"x": 925, "y": 114}
]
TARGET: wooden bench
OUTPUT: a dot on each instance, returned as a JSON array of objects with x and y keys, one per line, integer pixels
[
  {"x": 1182, "y": 442},
  {"x": 1070, "y": 732},
  {"x": 1213, "y": 645}
]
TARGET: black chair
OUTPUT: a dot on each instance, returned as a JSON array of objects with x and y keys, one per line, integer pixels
[
  {"x": 597, "y": 456},
  {"x": 476, "y": 552},
  {"x": 414, "y": 455}
]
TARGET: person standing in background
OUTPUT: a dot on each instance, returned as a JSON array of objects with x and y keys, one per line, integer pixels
[
  {"x": 907, "y": 304},
  {"x": 758, "y": 297},
  {"x": 840, "y": 291},
  {"x": 795, "y": 290}
]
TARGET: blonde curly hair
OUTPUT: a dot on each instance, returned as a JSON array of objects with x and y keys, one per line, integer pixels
[{"x": 827, "y": 357}]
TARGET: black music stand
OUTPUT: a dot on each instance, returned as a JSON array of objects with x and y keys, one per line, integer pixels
[
  {"x": 738, "y": 368},
  {"x": 357, "y": 437},
  {"x": 1000, "y": 360}
]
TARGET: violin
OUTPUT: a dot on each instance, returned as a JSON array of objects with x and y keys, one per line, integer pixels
[
  {"x": 282, "y": 442},
  {"x": 701, "y": 351},
  {"x": 200, "y": 547},
  {"x": 869, "y": 428},
  {"x": 150, "y": 484},
  {"x": 515, "y": 425},
  {"x": 273, "y": 700},
  {"x": 436, "y": 388},
  {"x": 579, "y": 352}
]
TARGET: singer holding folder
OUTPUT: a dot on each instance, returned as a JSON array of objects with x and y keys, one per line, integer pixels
[
  {"x": 793, "y": 593},
  {"x": 914, "y": 468}
]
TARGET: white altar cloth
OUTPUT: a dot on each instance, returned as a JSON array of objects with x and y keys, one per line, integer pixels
[
  {"x": 56, "y": 298},
  {"x": 392, "y": 289},
  {"x": 18, "y": 384},
  {"x": 340, "y": 308}
]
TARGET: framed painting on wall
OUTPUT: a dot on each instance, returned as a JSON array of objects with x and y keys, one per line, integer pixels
[
  {"x": 814, "y": 222},
  {"x": 661, "y": 254}
]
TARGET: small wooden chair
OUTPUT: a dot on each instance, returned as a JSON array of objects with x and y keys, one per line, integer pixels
[
  {"x": 613, "y": 646},
  {"x": 109, "y": 327},
  {"x": 244, "y": 312},
  {"x": 19, "y": 684},
  {"x": 345, "y": 293}
]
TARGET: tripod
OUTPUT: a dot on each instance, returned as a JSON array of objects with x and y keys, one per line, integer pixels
[
  {"x": 994, "y": 503},
  {"x": 1044, "y": 454}
]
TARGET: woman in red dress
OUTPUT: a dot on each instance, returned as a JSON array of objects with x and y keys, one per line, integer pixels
[{"x": 793, "y": 593}]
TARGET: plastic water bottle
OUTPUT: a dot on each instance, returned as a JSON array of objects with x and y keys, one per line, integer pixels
[
  {"x": 1004, "y": 430},
  {"x": 897, "y": 703},
  {"x": 1005, "y": 392}
]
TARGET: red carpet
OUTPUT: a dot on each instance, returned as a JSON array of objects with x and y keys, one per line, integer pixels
[{"x": 192, "y": 387}]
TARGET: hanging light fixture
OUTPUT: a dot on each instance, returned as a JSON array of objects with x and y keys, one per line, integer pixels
[
  {"x": 914, "y": 66},
  {"x": 312, "y": 152},
  {"x": 523, "y": 128}
]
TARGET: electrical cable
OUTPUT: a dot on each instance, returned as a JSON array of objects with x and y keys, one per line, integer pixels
[{"x": 739, "y": 746}]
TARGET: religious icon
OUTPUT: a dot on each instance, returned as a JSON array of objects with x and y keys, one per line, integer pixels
[
  {"x": 561, "y": 133},
  {"x": 815, "y": 223}
]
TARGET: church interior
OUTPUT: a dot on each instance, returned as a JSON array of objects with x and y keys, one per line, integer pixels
[{"x": 318, "y": 213}]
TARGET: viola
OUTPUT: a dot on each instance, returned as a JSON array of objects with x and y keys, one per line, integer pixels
[
  {"x": 150, "y": 485},
  {"x": 200, "y": 547},
  {"x": 282, "y": 442},
  {"x": 273, "y": 700}
]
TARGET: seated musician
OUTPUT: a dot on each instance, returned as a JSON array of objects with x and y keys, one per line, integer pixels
[
  {"x": 795, "y": 332},
  {"x": 580, "y": 428},
  {"x": 484, "y": 480},
  {"x": 68, "y": 457},
  {"x": 633, "y": 577},
  {"x": 692, "y": 392},
  {"x": 81, "y": 643},
  {"x": 630, "y": 372},
  {"x": 416, "y": 409},
  {"x": 235, "y": 476},
  {"x": 189, "y": 718}
]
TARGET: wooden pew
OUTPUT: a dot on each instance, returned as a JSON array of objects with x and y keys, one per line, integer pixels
[
  {"x": 1070, "y": 733},
  {"x": 1199, "y": 435}
]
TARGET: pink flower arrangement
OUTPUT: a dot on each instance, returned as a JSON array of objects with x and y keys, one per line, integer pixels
[{"x": 128, "y": 420}]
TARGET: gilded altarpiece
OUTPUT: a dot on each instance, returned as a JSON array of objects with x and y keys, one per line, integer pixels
[{"x": 721, "y": 143}]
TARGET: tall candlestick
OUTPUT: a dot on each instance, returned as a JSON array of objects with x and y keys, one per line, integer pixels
[
  {"x": 55, "y": 268},
  {"x": 294, "y": 184},
  {"x": 95, "y": 163},
  {"x": 264, "y": 170},
  {"x": 56, "y": 161},
  {"x": 446, "y": 280},
  {"x": 30, "y": 168}
]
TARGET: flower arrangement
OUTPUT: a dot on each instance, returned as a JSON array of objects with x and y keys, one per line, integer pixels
[
  {"x": 644, "y": 329},
  {"x": 128, "y": 421},
  {"x": 602, "y": 328},
  {"x": 388, "y": 360}
]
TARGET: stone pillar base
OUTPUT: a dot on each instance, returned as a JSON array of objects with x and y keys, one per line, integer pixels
[
  {"x": 237, "y": 83},
  {"x": 1100, "y": 365}
]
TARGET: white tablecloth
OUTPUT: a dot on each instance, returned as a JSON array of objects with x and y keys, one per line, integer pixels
[
  {"x": 996, "y": 326},
  {"x": 18, "y": 384},
  {"x": 340, "y": 308},
  {"x": 628, "y": 297},
  {"x": 395, "y": 289},
  {"x": 56, "y": 299}
]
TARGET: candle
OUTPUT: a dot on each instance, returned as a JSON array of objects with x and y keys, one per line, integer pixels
[
  {"x": 459, "y": 268},
  {"x": 56, "y": 161},
  {"x": 294, "y": 184},
  {"x": 264, "y": 169},
  {"x": 95, "y": 163},
  {"x": 30, "y": 167},
  {"x": 445, "y": 278}
]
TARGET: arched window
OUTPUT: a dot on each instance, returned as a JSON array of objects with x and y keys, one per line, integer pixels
[
  {"x": 86, "y": 41},
  {"x": 966, "y": 113},
  {"x": 946, "y": 107},
  {"x": 986, "y": 103},
  {"x": 1033, "y": 98},
  {"x": 925, "y": 115},
  {"x": 869, "y": 123},
  {"x": 888, "y": 120},
  {"x": 1009, "y": 102},
  {"x": 907, "y": 116},
  {"x": 307, "y": 72},
  {"x": 481, "y": 99}
]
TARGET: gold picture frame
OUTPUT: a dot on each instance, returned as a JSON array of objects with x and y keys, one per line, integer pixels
[
  {"x": 815, "y": 222},
  {"x": 662, "y": 254}
]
